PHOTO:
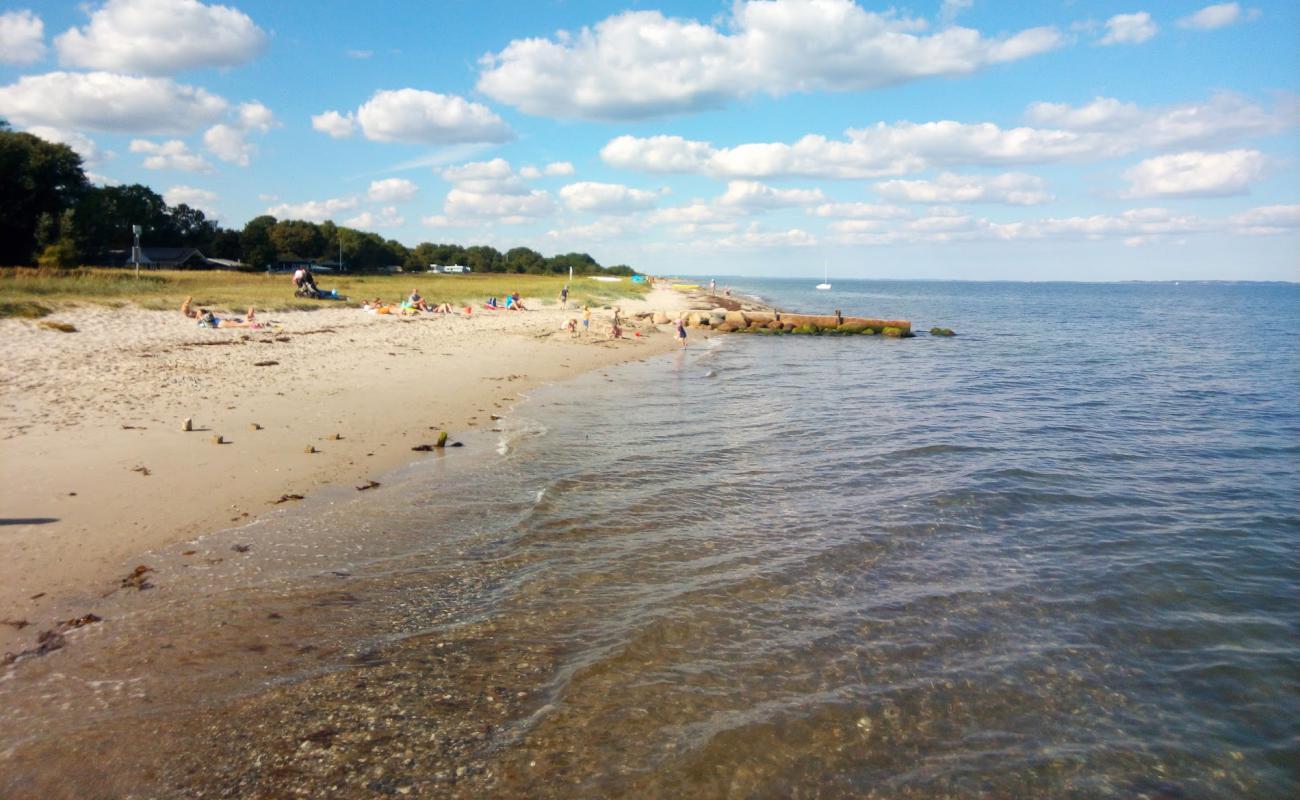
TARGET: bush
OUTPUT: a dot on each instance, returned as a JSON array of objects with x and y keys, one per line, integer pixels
[{"x": 60, "y": 255}]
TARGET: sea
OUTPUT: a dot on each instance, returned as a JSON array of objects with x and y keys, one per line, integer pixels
[{"x": 1054, "y": 555}]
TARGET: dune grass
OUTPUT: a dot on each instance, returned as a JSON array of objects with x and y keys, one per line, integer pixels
[{"x": 33, "y": 293}]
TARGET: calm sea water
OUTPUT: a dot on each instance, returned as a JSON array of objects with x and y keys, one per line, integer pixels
[{"x": 1055, "y": 556}]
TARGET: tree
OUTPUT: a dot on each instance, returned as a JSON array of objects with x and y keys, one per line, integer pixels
[
  {"x": 482, "y": 258},
  {"x": 523, "y": 259},
  {"x": 105, "y": 214},
  {"x": 36, "y": 177},
  {"x": 225, "y": 243},
  {"x": 255, "y": 241},
  {"x": 296, "y": 239}
]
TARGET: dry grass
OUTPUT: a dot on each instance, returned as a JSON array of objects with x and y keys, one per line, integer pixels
[{"x": 34, "y": 293}]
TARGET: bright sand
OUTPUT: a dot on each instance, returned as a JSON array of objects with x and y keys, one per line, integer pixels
[{"x": 97, "y": 469}]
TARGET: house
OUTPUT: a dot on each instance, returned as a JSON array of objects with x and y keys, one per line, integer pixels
[{"x": 161, "y": 258}]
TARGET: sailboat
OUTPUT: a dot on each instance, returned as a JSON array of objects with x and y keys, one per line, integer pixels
[{"x": 825, "y": 285}]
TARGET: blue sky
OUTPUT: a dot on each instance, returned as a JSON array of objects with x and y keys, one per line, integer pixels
[{"x": 948, "y": 139}]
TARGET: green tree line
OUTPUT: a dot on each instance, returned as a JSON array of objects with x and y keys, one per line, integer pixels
[{"x": 53, "y": 216}]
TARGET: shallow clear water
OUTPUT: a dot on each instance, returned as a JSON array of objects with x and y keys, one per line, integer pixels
[{"x": 1053, "y": 556}]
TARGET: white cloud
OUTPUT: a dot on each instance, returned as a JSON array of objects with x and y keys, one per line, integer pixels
[
  {"x": 386, "y": 218},
  {"x": 951, "y": 9},
  {"x": 161, "y": 37},
  {"x": 1217, "y": 16},
  {"x": 417, "y": 116},
  {"x": 1197, "y": 174},
  {"x": 694, "y": 213},
  {"x": 755, "y": 195},
  {"x": 1266, "y": 220},
  {"x": 555, "y": 168},
  {"x": 491, "y": 190},
  {"x": 606, "y": 198},
  {"x": 172, "y": 154},
  {"x": 336, "y": 125},
  {"x": 82, "y": 144},
  {"x": 641, "y": 64},
  {"x": 313, "y": 210},
  {"x": 1104, "y": 129},
  {"x": 1011, "y": 188},
  {"x": 391, "y": 190},
  {"x": 22, "y": 37},
  {"x": 229, "y": 142},
  {"x": 755, "y": 237},
  {"x": 605, "y": 229},
  {"x": 202, "y": 199},
  {"x": 862, "y": 211},
  {"x": 102, "y": 101},
  {"x": 1129, "y": 29},
  {"x": 360, "y": 53}
]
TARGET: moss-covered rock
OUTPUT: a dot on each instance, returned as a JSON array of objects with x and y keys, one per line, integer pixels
[
  {"x": 868, "y": 331},
  {"x": 892, "y": 332},
  {"x": 942, "y": 332},
  {"x": 807, "y": 329},
  {"x": 852, "y": 328}
]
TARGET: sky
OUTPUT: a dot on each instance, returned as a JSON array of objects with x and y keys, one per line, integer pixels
[{"x": 957, "y": 139}]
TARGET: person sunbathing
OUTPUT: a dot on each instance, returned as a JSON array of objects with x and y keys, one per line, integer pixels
[
  {"x": 209, "y": 320},
  {"x": 491, "y": 303},
  {"x": 441, "y": 308},
  {"x": 416, "y": 301}
]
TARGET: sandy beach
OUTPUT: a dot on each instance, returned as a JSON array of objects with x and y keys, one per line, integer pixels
[{"x": 98, "y": 469}]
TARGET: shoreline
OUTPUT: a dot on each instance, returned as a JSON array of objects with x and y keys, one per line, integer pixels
[{"x": 98, "y": 469}]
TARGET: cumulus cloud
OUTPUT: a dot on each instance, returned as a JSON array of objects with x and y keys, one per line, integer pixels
[
  {"x": 391, "y": 190},
  {"x": 1267, "y": 220},
  {"x": 606, "y": 198},
  {"x": 1217, "y": 16},
  {"x": 102, "y": 101},
  {"x": 696, "y": 212},
  {"x": 22, "y": 37},
  {"x": 334, "y": 124},
  {"x": 229, "y": 142},
  {"x": 1196, "y": 174},
  {"x": 492, "y": 190},
  {"x": 202, "y": 199},
  {"x": 755, "y": 195},
  {"x": 756, "y": 237},
  {"x": 602, "y": 230},
  {"x": 172, "y": 154},
  {"x": 1105, "y": 128},
  {"x": 1011, "y": 188},
  {"x": 82, "y": 144},
  {"x": 419, "y": 117},
  {"x": 161, "y": 37},
  {"x": 1129, "y": 29},
  {"x": 386, "y": 218},
  {"x": 859, "y": 211},
  {"x": 641, "y": 64},
  {"x": 313, "y": 210}
]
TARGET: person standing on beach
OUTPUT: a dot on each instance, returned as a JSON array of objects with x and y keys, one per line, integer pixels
[
  {"x": 586, "y": 318},
  {"x": 713, "y": 286},
  {"x": 564, "y": 297},
  {"x": 681, "y": 332}
]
